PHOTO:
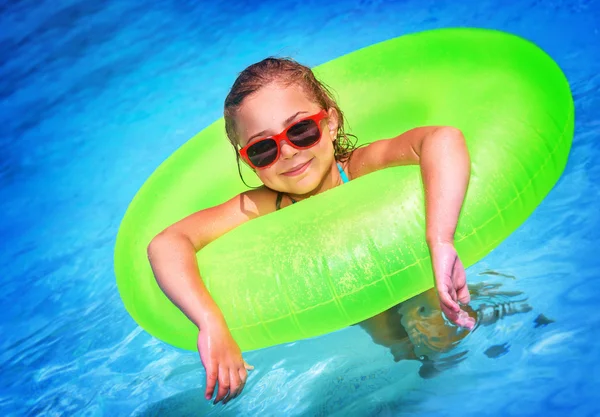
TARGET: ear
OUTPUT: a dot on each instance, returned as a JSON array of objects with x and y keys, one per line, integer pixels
[{"x": 332, "y": 122}]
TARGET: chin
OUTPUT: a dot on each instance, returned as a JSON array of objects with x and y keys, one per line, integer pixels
[
  {"x": 300, "y": 191},
  {"x": 306, "y": 185}
]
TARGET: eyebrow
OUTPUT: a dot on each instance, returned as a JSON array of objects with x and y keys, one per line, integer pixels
[{"x": 285, "y": 123}]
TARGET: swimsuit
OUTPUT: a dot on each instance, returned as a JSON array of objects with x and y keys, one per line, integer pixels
[{"x": 280, "y": 194}]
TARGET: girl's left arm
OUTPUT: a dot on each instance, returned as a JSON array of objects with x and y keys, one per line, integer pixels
[{"x": 445, "y": 168}]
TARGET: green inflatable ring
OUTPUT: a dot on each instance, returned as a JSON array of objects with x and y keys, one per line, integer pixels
[{"x": 354, "y": 251}]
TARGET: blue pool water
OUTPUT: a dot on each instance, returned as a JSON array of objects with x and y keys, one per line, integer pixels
[{"x": 95, "y": 95}]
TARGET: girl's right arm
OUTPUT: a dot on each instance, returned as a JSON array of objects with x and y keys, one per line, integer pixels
[{"x": 172, "y": 255}]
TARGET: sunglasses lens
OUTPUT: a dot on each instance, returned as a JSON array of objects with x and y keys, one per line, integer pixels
[
  {"x": 262, "y": 153},
  {"x": 305, "y": 133}
]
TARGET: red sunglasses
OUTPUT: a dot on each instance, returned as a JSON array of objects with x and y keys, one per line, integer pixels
[{"x": 302, "y": 134}]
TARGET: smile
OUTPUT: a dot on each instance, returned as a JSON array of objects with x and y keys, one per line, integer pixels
[{"x": 298, "y": 169}]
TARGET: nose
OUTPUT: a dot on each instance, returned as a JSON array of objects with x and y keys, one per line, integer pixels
[{"x": 287, "y": 151}]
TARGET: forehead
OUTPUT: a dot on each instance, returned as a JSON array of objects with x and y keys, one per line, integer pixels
[{"x": 269, "y": 107}]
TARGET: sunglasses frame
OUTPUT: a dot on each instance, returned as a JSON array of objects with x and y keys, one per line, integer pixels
[{"x": 278, "y": 138}]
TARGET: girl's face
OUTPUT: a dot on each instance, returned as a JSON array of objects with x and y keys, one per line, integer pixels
[{"x": 270, "y": 110}]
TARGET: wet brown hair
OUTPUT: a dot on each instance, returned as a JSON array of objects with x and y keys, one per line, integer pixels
[{"x": 287, "y": 72}]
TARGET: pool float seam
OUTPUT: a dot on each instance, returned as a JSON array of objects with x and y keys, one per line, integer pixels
[
  {"x": 335, "y": 299},
  {"x": 289, "y": 303}
]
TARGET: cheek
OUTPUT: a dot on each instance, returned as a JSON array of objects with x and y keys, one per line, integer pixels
[
  {"x": 325, "y": 146},
  {"x": 268, "y": 177}
]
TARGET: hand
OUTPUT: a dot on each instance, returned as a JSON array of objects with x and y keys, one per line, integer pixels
[
  {"x": 451, "y": 283},
  {"x": 222, "y": 359}
]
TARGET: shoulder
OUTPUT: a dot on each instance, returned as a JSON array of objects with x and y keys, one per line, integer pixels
[{"x": 257, "y": 202}]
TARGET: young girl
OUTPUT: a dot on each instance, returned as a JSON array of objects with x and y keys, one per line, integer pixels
[{"x": 288, "y": 128}]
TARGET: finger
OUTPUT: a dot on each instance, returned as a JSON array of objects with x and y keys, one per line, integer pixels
[
  {"x": 451, "y": 315},
  {"x": 248, "y": 367},
  {"x": 463, "y": 292},
  {"x": 450, "y": 286},
  {"x": 211, "y": 380},
  {"x": 463, "y": 295},
  {"x": 223, "y": 384},
  {"x": 235, "y": 382},
  {"x": 243, "y": 375},
  {"x": 464, "y": 320},
  {"x": 460, "y": 318},
  {"x": 447, "y": 301}
]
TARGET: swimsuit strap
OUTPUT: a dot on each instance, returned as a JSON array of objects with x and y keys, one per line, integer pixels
[
  {"x": 278, "y": 200},
  {"x": 280, "y": 194},
  {"x": 342, "y": 173}
]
